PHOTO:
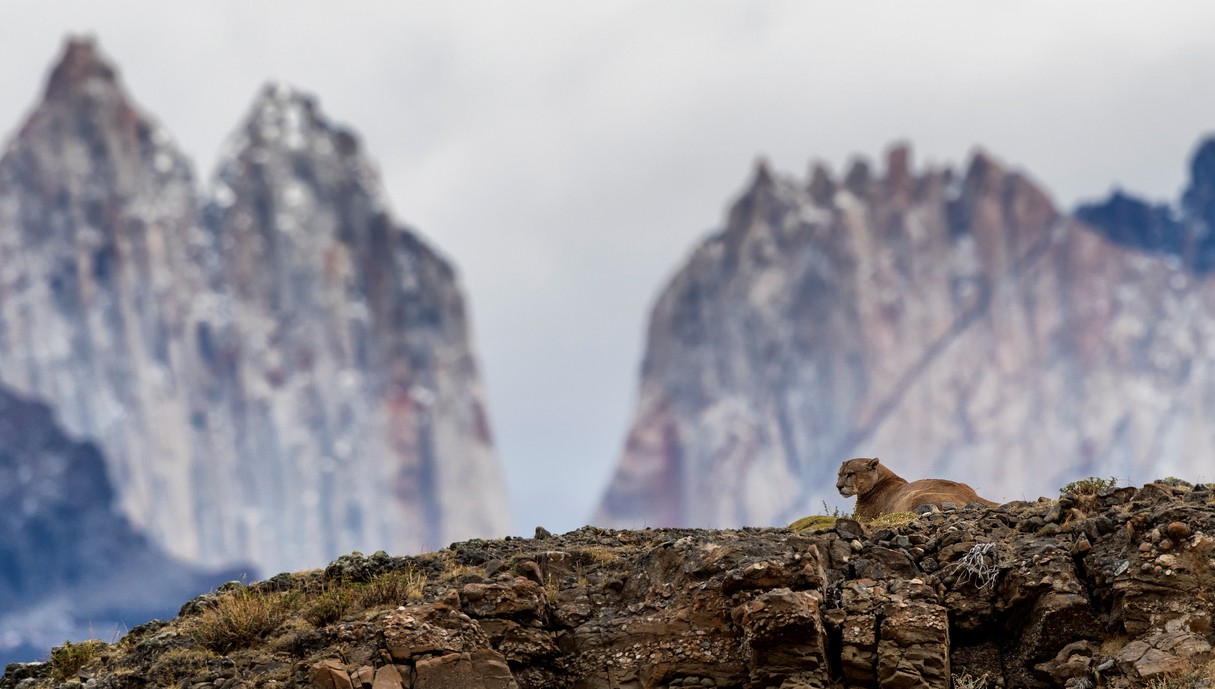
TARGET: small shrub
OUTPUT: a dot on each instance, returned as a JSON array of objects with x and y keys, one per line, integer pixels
[
  {"x": 1089, "y": 486},
  {"x": 974, "y": 567},
  {"x": 242, "y": 617},
  {"x": 391, "y": 588},
  {"x": 66, "y": 660},
  {"x": 328, "y": 606}
]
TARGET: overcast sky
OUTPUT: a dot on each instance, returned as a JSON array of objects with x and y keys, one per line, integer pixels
[{"x": 568, "y": 155}]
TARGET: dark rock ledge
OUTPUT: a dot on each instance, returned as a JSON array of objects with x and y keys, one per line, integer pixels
[{"x": 1114, "y": 588}]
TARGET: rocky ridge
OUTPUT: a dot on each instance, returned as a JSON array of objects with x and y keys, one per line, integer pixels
[
  {"x": 952, "y": 323},
  {"x": 1104, "y": 587},
  {"x": 275, "y": 371}
]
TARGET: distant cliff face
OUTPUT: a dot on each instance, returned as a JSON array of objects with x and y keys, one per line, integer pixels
[
  {"x": 278, "y": 373},
  {"x": 64, "y": 544},
  {"x": 1185, "y": 231},
  {"x": 954, "y": 325}
]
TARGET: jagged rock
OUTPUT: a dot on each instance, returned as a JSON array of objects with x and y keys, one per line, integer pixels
[
  {"x": 1165, "y": 653},
  {"x": 482, "y": 669},
  {"x": 914, "y": 646},
  {"x": 518, "y": 598},
  {"x": 331, "y": 674},
  {"x": 957, "y": 325},
  {"x": 785, "y": 637},
  {"x": 429, "y": 629},
  {"x": 276, "y": 373},
  {"x": 1073, "y": 663},
  {"x": 388, "y": 677}
]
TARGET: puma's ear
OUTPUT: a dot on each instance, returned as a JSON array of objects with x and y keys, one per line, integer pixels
[{"x": 871, "y": 464}]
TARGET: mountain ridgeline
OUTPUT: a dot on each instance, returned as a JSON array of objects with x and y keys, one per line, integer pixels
[
  {"x": 275, "y": 371},
  {"x": 954, "y": 324}
]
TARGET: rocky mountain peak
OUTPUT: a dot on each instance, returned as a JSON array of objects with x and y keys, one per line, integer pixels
[
  {"x": 88, "y": 132},
  {"x": 82, "y": 69},
  {"x": 822, "y": 187},
  {"x": 287, "y": 136},
  {"x": 285, "y": 118},
  {"x": 281, "y": 377},
  {"x": 1198, "y": 200},
  {"x": 957, "y": 322}
]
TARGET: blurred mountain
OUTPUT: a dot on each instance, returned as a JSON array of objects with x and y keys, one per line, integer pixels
[
  {"x": 956, "y": 325},
  {"x": 1185, "y": 231},
  {"x": 71, "y": 565},
  {"x": 276, "y": 372}
]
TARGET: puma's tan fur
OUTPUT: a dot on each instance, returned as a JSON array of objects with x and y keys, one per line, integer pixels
[{"x": 879, "y": 490}]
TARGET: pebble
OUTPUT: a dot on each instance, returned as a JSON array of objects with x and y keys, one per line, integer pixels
[{"x": 1178, "y": 531}]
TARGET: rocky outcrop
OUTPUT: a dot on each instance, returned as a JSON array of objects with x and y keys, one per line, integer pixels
[
  {"x": 955, "y": 325},
  {"x": 275, "y": 374},
  {"x": 64, "y": 544},
  {"x": 1105, "y": 587}
]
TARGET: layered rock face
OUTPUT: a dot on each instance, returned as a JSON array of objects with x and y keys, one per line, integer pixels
[
  {"x": 64, "y": 543},
  {"x": 1104, "y": 587},
  {"x": 359, "y": 416},
  {"x": 276, "y": 374},
  {"x": 957, "y": 326}
]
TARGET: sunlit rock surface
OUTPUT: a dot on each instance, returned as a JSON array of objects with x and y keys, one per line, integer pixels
[
  {"x": 954, "y": 324},
  {"x": 276, "y": 373}
]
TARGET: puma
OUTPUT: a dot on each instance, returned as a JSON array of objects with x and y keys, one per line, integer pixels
[{"x": 879, "y": 490}]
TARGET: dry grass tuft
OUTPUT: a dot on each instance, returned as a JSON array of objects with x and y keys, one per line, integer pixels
[
  {"x": 242, "y": 617},
  {"x": 391, "y": 588},
  {"x": 178, "y": 663},
  {"x": 893, "y": 520},
  {"x": 66, "y": 660},
  {"x": 814, "y": 522}
]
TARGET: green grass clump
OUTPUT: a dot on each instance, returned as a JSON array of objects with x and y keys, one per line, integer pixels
[
  {"x": 1089, "y": 486},
  {"x": 66, "y": 660},
  {"x": 242, "y": 617}
]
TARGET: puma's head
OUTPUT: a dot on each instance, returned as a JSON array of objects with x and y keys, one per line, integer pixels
[{"x": 857, "y": 476}]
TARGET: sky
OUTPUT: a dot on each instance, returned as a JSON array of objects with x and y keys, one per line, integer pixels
[{"x": 567, "y": 156}]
